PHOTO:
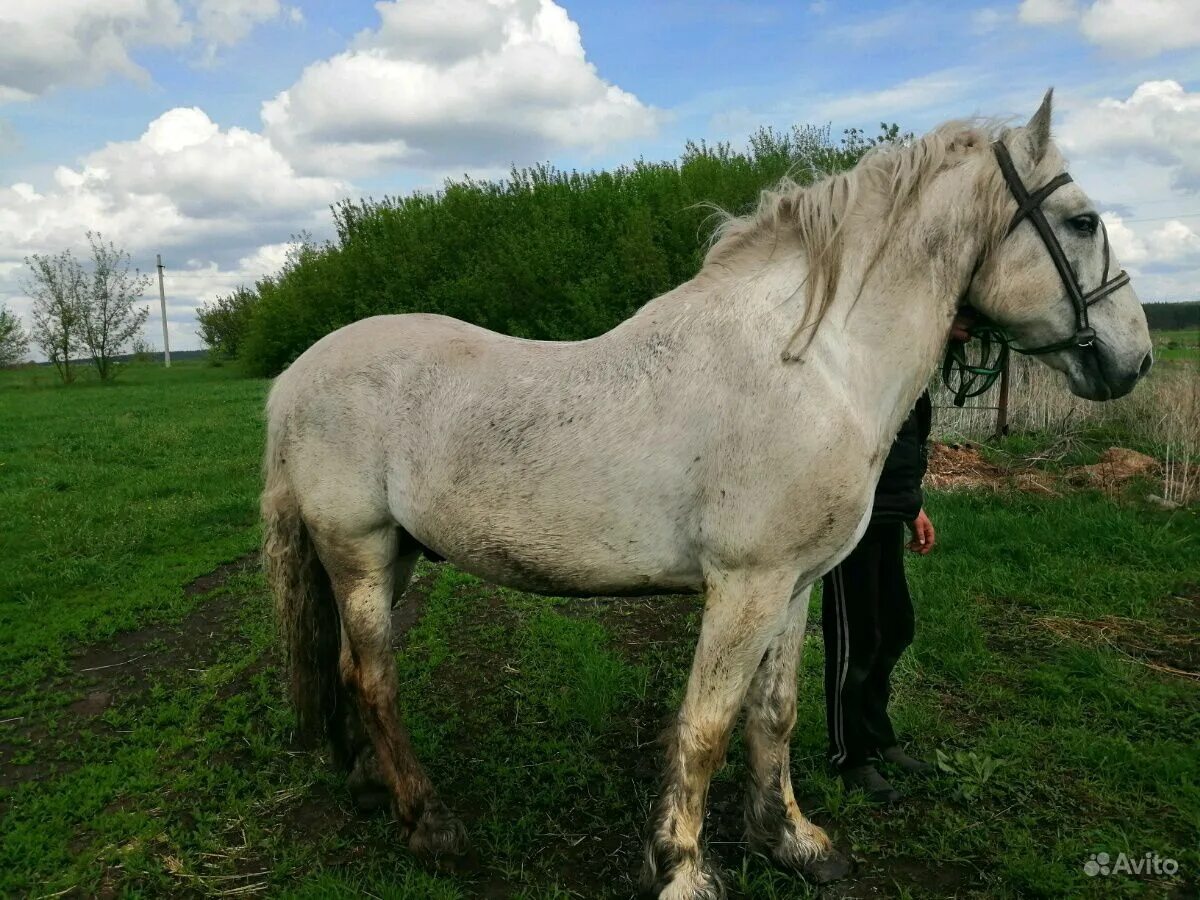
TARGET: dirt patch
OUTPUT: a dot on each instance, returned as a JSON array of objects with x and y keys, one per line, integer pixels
[
  {"x": 123, "y": 668},
  {"x": 641, "y": 624},
  {"x": 881, "y": 879},
  {"x": 206, "y": 584},
  {"x": 93, "y": 704},
  {"x": 132, "y": 659},
  {"x": 412, "y": 606}
]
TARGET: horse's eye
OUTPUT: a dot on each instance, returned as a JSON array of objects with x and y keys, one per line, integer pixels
[{"x": 1085, "y": 224}]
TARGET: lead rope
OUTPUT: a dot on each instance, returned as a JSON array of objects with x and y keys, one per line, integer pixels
[{"x": 966, "y": 379}]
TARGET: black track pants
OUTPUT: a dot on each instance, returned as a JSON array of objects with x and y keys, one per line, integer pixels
[{"x": 867, "y": 618}]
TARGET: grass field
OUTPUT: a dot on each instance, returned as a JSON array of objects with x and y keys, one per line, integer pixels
[
  {"x": 1177, "y": 346},
  {"x": 146, "y": 750}
]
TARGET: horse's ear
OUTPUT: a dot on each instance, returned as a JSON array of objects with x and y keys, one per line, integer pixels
[{"x": 1038, "y": 129}]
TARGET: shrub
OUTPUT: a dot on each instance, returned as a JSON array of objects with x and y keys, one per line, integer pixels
[
  {"x": 223, "y": 322},
  {"x": 544, "y": 254}
]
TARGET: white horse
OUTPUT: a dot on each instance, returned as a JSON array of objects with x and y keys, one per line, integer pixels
[{"x": 726, "y": 439}]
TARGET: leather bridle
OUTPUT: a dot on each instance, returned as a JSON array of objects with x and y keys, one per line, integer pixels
[
  {"x": 975, "y": 379},
  {"x": 1029, "y": 206}
]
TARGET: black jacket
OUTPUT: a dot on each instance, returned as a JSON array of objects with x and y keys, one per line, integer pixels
[{"x": 898, "y": 496}]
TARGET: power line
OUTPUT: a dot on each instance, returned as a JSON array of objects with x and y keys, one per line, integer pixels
[{"x": 1191, "y": 215}]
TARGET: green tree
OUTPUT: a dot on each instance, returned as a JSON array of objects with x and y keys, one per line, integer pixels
[
  {"x": 110, "y": 318},
  {"x": 57, "y": 286},
  {"x": 14, "y": 341}
]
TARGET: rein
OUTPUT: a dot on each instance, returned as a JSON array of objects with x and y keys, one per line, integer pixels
[{"x": 966, "y": 379}]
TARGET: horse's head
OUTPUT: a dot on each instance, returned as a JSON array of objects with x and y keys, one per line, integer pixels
[{"x": 1050, "y": 277}]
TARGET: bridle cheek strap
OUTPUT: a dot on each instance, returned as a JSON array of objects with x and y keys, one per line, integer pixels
[{"x": 1029, "y": 206}]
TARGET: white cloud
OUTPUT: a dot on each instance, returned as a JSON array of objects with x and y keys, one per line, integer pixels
[
  {"x": 46, "y": 44},
  {"x": 1174, "y": 242},
  {"x": 1143, "y": 27},
  {"x": 183, "y": 179},
  {"x": 927, "y": 91},
  {"x": 185, "y": 188},
  {"x": 1129, "y": 248},
  {"x": 53, "y": 42},
  {"x": 1123, "y": 27},
  {"x": 1159, "y": 123},
  {"x": 1168, "y": 244},
  {"x": 226, "y": 22},
  {"x": 1047, "y": 12},
  {"x": 871, "y": 30},
  {"x": 1161, "y": 257},
  {"x": 987, "y": 19},
  {"x": 1140, "y": 156},
  {"x": 449, "y": 82}
]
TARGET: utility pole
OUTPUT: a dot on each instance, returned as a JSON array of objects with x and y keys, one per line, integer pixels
[
  {"x": 162, "y": 301},
  {"x": 1002, "y": 404}
]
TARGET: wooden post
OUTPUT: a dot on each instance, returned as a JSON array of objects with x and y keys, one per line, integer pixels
[
  {"x": 162, "y": 302},
  {"x": 1002, "y": 404}
]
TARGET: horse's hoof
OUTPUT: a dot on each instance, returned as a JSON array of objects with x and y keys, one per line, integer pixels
[
  {"x": 832, "y": 867},
  {"x": 440, "y": 838},
  {"x": 686, "y": 883}
]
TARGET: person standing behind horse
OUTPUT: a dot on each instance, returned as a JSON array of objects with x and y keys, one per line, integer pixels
[
  {"x": 867, "y": 619},
  {"x": 867, "y": 614}
]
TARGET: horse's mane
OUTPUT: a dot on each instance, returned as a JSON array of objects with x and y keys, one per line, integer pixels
[{"x": 892, "y": 177}]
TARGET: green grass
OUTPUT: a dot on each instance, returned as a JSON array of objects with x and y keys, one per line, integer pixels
[
  {"x": 1182, "y": 345},
  {"x": 112, "y": 497},
  {"x": 536, "y": 716}
]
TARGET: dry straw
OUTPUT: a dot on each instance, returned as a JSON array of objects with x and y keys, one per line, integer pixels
[{"x": 1162, "y": 413}]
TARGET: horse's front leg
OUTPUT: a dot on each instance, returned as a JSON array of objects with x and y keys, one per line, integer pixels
[
  {"x": 775, "y": 826},
  {"x": 743, "y": 611}
]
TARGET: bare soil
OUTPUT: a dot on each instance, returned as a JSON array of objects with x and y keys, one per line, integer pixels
[{"x": 124, "y": 667}]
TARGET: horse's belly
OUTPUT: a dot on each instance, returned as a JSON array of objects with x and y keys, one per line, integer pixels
[
  {"x": 537, "y": 551},
  {"x": 583, "y": 570}
]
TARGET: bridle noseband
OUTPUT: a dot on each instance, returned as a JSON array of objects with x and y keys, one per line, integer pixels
[{"x": 1029, "y": 206}]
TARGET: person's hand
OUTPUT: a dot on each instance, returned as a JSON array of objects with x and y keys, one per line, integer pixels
[
  {"x": 923, "y": 534},
  {"x": 960, "y": 328}
]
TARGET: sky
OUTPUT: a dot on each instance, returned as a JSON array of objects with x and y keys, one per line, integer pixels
[{"x": 215, "y": 131}]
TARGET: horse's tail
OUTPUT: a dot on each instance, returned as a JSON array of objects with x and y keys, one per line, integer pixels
[{"x": 306, "y": 613}]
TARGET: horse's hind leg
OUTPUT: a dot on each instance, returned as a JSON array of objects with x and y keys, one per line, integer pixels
[
  {"x": 775, "y": 826},
  {"x": 357, "y": 754},
  {"x": 362, "y": 571}
]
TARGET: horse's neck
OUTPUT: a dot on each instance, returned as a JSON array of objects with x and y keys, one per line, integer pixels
[
  {"x": 878, "y": 345},
  {"x": 887, "y": 336},
  {"x": 889, "y": 347}
]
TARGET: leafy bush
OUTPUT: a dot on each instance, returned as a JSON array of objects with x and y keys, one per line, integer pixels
[
  {"x": 545, "y": 254},
  {"x": 223, "y": 322}
]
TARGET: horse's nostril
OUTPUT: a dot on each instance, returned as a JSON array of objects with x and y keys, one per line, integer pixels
[{"x": 1146, "y": 364}]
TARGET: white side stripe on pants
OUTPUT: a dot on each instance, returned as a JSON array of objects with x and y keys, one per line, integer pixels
[{"x": 843, "y": 631}]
